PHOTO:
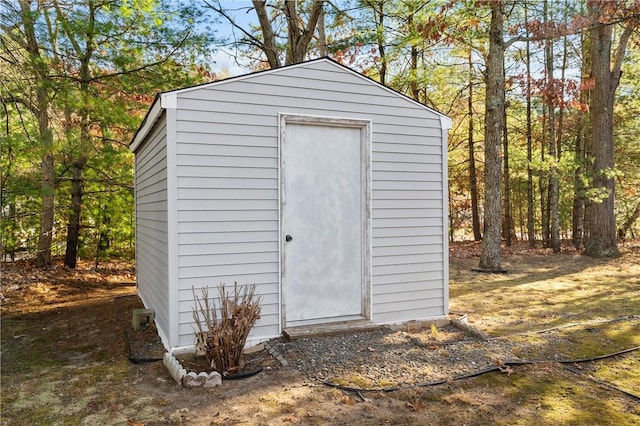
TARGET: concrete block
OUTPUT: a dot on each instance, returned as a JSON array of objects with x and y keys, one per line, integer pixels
[
  {"x": 201, "y": 380},
  {"x": 174, "y": 367},
  {"x": 141, "y": 318}
]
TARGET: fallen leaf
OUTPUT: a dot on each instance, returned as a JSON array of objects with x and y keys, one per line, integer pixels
[
  {"x": 416, "y": 406},
  {"x": 506, "y": 369},
  {"x": 348, "y": 401}
]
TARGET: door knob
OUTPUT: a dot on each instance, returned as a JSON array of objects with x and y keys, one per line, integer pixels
[{"x": 288, "y": 238}]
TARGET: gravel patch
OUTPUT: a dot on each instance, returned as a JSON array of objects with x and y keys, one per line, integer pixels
[{"x": 384, "y": 358}]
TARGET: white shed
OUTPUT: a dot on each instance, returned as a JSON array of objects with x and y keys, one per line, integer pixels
[{"x": 325, "y": 188}]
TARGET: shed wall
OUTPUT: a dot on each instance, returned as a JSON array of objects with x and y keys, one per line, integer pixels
[
  {"x": 151, "y": 225},
  {"x": 228, "y": 188}
]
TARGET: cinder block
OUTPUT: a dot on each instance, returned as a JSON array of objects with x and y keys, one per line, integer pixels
[{"x": 141, "y": 318}]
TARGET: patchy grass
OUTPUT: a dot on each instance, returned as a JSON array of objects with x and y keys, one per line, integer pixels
[
  {"x": 64, "y": 360},
  {"x": 545, "y": 290}
]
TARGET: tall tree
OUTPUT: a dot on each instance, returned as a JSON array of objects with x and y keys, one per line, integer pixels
[
  {"x": 89, "y": 60},
  {"x": 473, "y": 178},
  {"x": 300, "y": 28},
  {"x": 606, "y": 65},
  {"x": 582, "y": 132},
  {"x": 507, "y": 223},
  {"x": 551, "y": 101},
  {"x": 491, "y": 254},
  {"x": 19, "y": 27},
  {"x": 529, "y": 129}
]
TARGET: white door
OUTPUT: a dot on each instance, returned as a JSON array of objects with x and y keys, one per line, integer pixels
[{"x": 324, "y": 219}]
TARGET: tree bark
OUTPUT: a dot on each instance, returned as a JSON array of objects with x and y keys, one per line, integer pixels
[
  {"x": 300, "y": 35},
  {"x": 553, "y": 198},
  {"x": 268, "y": 45},
  {"x": 602, "y": 221},
  {"x": 379, "y": 15},
  {"x": 582, "y": 131},
  {"x": 413, "y": 61},
  {"x": 73, "y": 226},
  {"x": 507, "y": 184},
  {"x": 622, "y": 232},
  {"x": 322, "y": 35},
  {"x": 543, "y": 183},
  {"x": 530, "y": 198},
  {"x": 41, "y": 111},
  {"x": 491, "y": 255},
  {"x": 473, "y": 178}
]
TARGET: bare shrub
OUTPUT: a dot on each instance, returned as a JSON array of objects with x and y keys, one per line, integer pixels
[{"x": 225, "y": 330}]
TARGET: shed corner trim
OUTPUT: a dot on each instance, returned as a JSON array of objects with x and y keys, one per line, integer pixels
[
  {"x": 169, "y": 100},
  {"x": 446, "y": 122}
]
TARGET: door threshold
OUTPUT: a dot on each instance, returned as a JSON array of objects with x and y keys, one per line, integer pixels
[{"x": 330, "y": 328}]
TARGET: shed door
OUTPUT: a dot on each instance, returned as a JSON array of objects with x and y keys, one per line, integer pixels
[{"x": 324, "y": 220}]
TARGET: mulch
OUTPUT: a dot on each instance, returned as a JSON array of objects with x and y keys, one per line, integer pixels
[{"x": 142, "y": 345}]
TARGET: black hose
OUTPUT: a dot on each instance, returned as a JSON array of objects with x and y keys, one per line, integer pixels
[
  {"x": 603, "y": 383},
  {"x": 596, "y": 358},
  {"x": 241, "y": 375},
  {"x": 487, "y": 370}
]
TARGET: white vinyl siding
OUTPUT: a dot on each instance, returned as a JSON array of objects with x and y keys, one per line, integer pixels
[
  {"x": 151, "y": 225},
  {"x": 224, "y": 188},
  {"x": 227, "y": 145}
]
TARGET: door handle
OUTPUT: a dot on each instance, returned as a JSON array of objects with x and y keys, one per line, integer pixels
[{"x": 288, "y": 238}]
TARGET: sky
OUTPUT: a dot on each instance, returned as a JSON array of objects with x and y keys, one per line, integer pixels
[{"x": 223, "y": 60}]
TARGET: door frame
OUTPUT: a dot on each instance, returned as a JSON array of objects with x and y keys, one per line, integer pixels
[{"x": 365, "y": 127}]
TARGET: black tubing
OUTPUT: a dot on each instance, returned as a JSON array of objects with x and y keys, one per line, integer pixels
[
  {"x": 596, "y": 358},
  {"x": 484, "y": 371},
  {"x": 241, "y": 375},
  {"x": 603, "y": 383}
]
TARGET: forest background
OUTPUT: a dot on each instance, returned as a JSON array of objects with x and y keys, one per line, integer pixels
[{"x": 544, "y": 97}]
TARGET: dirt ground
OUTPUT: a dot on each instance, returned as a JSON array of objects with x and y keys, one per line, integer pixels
[{"x": 65, "y": 358}]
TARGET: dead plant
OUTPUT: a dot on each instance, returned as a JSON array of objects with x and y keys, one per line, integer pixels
[{"x": 225, "y": 329}]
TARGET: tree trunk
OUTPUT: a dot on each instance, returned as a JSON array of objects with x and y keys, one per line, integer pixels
[
  {"x": 43, "y": 260},
  {"x": 577, "y": 226},
  {"x": 380, "y": 30},
  {"x": 582, "y": 131},
  {"x": 543, "y": 185},
  {"x": 413, "y": 63},
  {"x": 73, "y": 227},
  {"x": 491, "y": 255},
  {"x": 507, "y": 185},
  {"x": 299, "y": 36},
  {"x": 84, "y": 53},
  {"x": 473, "y": 178},
  {"x": 530, "y": 198},
  {"x": 41, "y": 112},
  {"x": 322, "y": 35},
  {"x": 269, "y": 45},
  {"x": 602, "y": 220},
  {"x": 622, "y": 232},
  {"x": 553, "y": 199}
]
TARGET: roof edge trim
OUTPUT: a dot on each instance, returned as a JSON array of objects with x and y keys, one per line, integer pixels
[
  {"x": 147, "y": 123},
  {"x": 169, "y": 99}
]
